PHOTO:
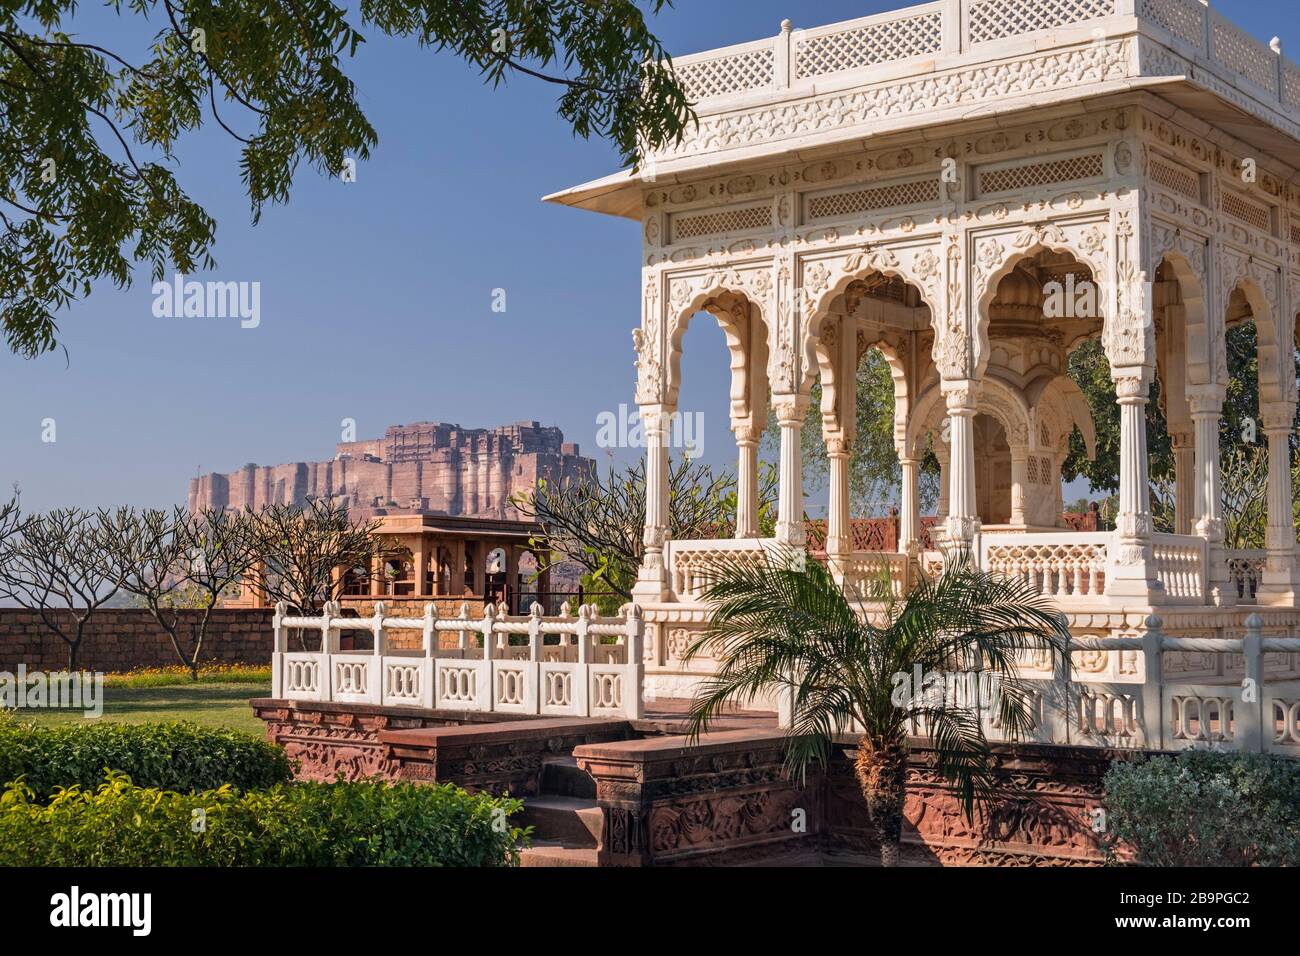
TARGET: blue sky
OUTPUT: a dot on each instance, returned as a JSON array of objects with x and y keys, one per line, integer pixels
[{"x": 376, "y": 295}]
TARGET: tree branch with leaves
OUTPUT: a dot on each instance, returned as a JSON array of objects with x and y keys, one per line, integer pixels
[{"x": 88, "y": 137}]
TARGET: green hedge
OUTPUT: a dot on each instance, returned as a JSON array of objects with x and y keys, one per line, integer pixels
[
  {"x": 1205, "y": 809},
  {"x": 170, "y": 756},
  {"x": 305, "y": 824}
]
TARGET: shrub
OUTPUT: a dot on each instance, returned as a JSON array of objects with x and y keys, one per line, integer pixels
[
  {"x": 171, "y": 756},
  {"x": 367, "y": 823},
  {"x": 1205, "y": 809}
]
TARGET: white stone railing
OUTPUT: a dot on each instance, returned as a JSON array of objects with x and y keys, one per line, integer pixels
[
  {"x": 865, "y": 572},
  {"x": 912, "y": 39},
  {"x": 1246, "y": 570},
  {"x": 1181, "y": 563},
  {"x": 576, "y": 674},
  {"x": 693, "y": 565},
  {"x": 1055, "y": 564},
  {"x": 1148, "y": 712}
]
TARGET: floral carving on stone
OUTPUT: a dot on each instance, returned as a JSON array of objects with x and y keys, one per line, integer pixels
[
  {"x": 646, "y": 341},
  {"x": 1130, "y": 329}
]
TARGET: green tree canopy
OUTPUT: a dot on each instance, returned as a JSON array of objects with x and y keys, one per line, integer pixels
[{"x": 88, "y": 135}]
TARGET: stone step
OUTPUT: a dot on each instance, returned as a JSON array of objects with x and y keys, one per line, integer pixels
[
  {"x": 549, "y": 854},
  {"x": 562, "y": 777},
  {"x": 572, "y": 821}
]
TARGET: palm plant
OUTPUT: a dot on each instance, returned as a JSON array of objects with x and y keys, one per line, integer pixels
[{"x": 789, "y": 628}]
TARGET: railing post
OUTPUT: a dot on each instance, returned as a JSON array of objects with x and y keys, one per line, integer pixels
[
  {"x": 1209, "y": 31},
  {"x": 1250, "y": 722},
  {"x": 326, "y": 648},
  {"x": 952, "y": 27},
  {"x": 376, "y": 689},
  {"x": 1153, "y": 708},
  {"x": 581, "y": 632},
  {"x": 279, "y": 645},
  {"x": 428, "y": 670},
  {"x": 634, "y": 685},
  {"x": 464, "y": 634},
  {"x": 535, "y": 632},
  {"x": 783, "y": 58},
  {"x": 486, "y": 629},
  {"x": 1280, "y": 62}
]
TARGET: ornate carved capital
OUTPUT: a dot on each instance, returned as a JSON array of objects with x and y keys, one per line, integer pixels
[
  {"x": 839, "y": 447},
  {"x": 961, "y": 396},
  {"x": 1278, "y": 416},
  {"x": 1130, "y": 384},
  {"x": 790, "y": 409}
]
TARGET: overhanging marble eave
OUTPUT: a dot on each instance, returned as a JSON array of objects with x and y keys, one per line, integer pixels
[{"x": 1185, "y": 82}]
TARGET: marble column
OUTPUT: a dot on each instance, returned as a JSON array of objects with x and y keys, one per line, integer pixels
[
  {"x": 909, "y": 532},
  {"x": 1279, "y": 581},
  {"x": 963, "y": 516},
  {"x": 839, "y": 536},
  {"x": 1019, "y": 481},
  {"x": 943, "y": 453},
  {"x": 1184, "y": 446},
  {"x": 652, "y": 579},
  {"x": 1132, "y": 571},
  {"x": 1206, "y": 405},
  {"x": 790, "y": 412},
  {"x": 746, "y": 480}
]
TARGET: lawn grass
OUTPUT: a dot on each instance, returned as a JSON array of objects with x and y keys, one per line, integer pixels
[{"x": 210, "y": 704}]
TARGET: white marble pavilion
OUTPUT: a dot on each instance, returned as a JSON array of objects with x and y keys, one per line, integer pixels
[{"x": 916, "y": 182}]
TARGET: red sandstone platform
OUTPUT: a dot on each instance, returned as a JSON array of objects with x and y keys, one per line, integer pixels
[{"x": 613, "y": 792}]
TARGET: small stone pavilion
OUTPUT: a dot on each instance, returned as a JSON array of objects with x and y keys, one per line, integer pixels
[
  {"x": 921, "y": 182},
  {"x": 463, "y": 560}
]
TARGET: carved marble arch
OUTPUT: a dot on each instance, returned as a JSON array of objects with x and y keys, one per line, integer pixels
[
  {"x": 893, "y": 356},
  {"x": 738, "y": 300},
  {"x": 1251, "y": 298},
  {"x": 994, "y": 257},
  {"x": 1181, "y": 258},
  {"x": 828, "y": 285},
  {"x": 997, "y": 399},
  {"x": 1062, "y": 406},
  {"x": 839, "y": 350}
]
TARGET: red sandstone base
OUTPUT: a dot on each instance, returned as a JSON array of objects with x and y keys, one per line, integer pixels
[{"x": 724, "y": 800}]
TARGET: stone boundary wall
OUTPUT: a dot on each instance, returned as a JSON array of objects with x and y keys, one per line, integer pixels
[{"x": 122, "y": 639}]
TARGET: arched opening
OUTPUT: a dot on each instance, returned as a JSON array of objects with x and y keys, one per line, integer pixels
[
  {"x": 993, "y": 471},
  {"x": 871, "y": 352},
  {"x": 724, "y": 326}
]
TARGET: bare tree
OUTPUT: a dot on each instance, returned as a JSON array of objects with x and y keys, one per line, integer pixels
[
  {"x": 305, "y": 552},
  {"x": 180, "y": 566},
  {"x": 52, "y": 564},
  {"x": 598, "y": 523}
]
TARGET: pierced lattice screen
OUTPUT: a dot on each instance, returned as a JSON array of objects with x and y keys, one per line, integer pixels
[
  {"x": 1176, "y": 178},
  {"x": 907, "y": 193},
  {"x": 1239, "y": 207},
  {"x": 869, "y": 45},
  {"x": 1185, "y": 19},
  {"x": 1291, "y": 86},
  {"x": 737, "y": 219},
  {"x": 994, "y": 19},
  {"x": 1069, "y": 169},
  {"x": 752, "y": 70},
  {"x": 1245, "y": 55}
]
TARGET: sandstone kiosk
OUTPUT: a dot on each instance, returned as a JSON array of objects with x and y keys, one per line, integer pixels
[{"x": 919, "y": 182}]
